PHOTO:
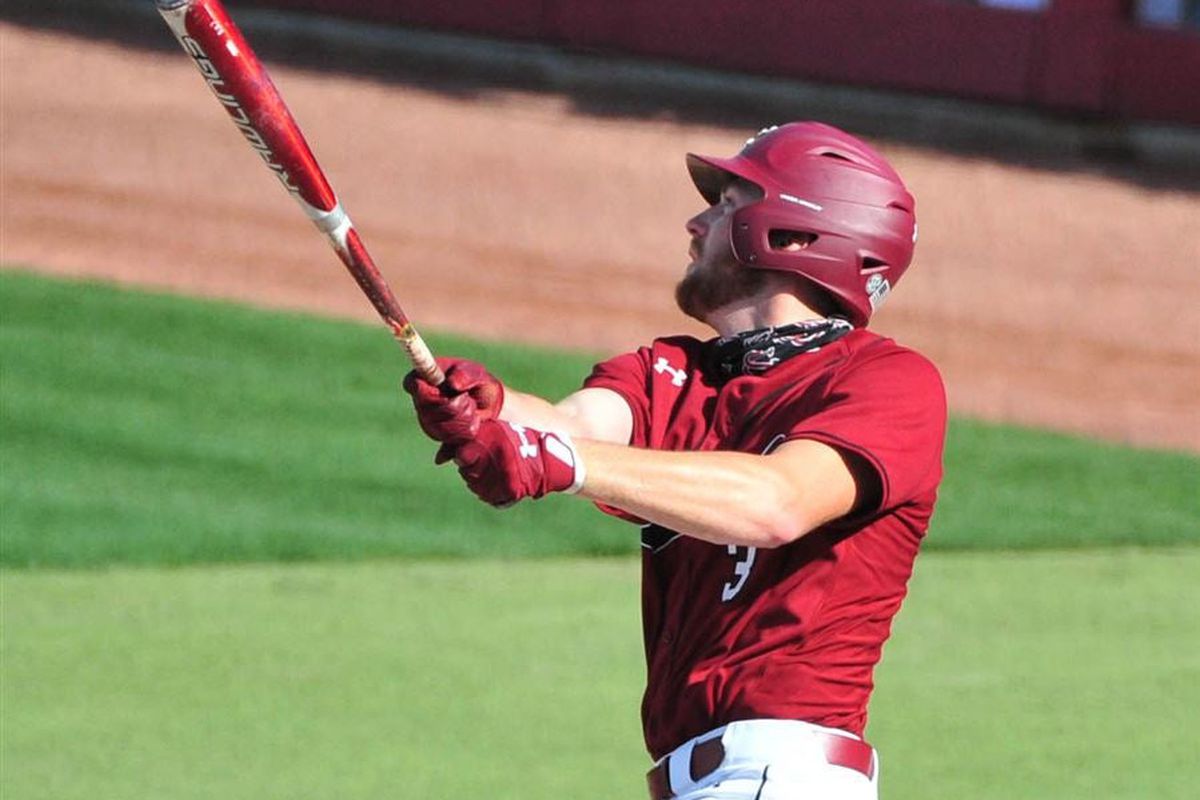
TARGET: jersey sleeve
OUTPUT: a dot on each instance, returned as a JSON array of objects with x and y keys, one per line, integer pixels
[
  {"x": 628, "y": 376},
  {"x": 891, "y": 411}
]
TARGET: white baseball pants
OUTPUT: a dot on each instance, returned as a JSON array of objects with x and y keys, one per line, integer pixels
[{"x": 769, "y": 760}]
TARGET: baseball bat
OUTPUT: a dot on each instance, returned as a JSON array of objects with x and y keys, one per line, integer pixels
[{"x": 244, "y": 89}]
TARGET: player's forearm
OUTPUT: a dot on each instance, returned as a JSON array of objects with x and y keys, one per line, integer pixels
[
  {"x": 586, "y": 414},
  {"x": 720, "y": 497},
  {"x": 536, "y": 412},
  {"x": 531, "y": 410}
]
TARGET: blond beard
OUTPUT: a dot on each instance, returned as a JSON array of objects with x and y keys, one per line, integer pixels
[{"x": 707, "y": 289}]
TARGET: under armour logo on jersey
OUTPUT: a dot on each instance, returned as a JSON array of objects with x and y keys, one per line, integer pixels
[
  {"x": 528, "y": 449},
  {"x": 678, "y": 376}
]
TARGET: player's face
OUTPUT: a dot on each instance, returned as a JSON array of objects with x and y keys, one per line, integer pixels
[{"x": 714, "y": 278}]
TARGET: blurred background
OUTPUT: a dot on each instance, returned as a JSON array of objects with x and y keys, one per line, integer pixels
[{"x": 229, "y": 566}]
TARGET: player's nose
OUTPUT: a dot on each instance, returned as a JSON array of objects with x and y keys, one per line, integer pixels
[{"x": 697, "y": 226}]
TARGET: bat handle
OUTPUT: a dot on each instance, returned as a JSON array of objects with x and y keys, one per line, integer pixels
[{"x": 419, "y": 353}]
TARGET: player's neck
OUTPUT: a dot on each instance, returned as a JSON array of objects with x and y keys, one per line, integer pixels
[{"x": 753, "y": 313}]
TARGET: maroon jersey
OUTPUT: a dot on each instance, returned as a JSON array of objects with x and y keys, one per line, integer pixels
[{"x": 792, "y": 632}]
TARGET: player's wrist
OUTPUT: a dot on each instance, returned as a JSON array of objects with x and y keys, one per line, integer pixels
[
  {"x": 506, "y": 462},
  {"x": 570, "y": 478}
]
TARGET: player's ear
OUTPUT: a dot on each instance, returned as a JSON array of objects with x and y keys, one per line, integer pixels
[{"x": 788, "y": 241}]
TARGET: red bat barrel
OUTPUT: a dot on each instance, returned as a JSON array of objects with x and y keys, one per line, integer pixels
[{"x": 243, "y": 87}]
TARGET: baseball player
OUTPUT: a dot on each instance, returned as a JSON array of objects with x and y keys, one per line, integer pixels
[{"x": 783, "y": 473}]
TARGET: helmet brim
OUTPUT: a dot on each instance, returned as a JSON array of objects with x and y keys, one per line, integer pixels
[{"x": 712, "y": 175}]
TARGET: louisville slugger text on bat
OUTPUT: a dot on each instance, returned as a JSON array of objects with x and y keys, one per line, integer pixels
[{"x": 243, "y": 87}]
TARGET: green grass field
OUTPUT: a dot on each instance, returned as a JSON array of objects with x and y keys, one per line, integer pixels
[
  {"x": 153, "y": 429},
  {"x": 179, "y": 450},
  {"x": 1033, "y": 675}
]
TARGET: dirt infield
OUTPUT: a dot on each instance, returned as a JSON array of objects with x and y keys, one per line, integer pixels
[{"x": 1057, "y": 299}]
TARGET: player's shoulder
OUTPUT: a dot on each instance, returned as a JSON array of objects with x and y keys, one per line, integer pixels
[
  {"x": 688, "y": 345},
  {"x": 867, "y": 350},
  {"x": 680, "y": 352},
  {"x": 678, "y": 355}
]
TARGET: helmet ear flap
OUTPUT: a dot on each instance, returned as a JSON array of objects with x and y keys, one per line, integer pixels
[{"x": 761, "y": 235}]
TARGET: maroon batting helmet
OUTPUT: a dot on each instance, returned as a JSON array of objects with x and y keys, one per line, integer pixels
[{"x": 835, "y": 190}]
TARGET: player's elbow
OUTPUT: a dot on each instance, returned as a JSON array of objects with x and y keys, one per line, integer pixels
[
  {"x": 806, "y": 485},
  {"x": 784, "y": 529},
  {"x": 781, "y": 521},
  {"x": 797, "y": 507}
]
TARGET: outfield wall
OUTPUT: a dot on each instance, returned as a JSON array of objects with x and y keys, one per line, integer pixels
[{"x": 1084, "y": 57}]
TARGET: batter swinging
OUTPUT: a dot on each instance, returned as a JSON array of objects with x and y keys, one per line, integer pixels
[{"x": 783, "y": 473}]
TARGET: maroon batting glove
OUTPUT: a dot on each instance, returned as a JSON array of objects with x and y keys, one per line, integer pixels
[
  {"x": 452, "y": 412},
  {"x": 505, "y": 463}
]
